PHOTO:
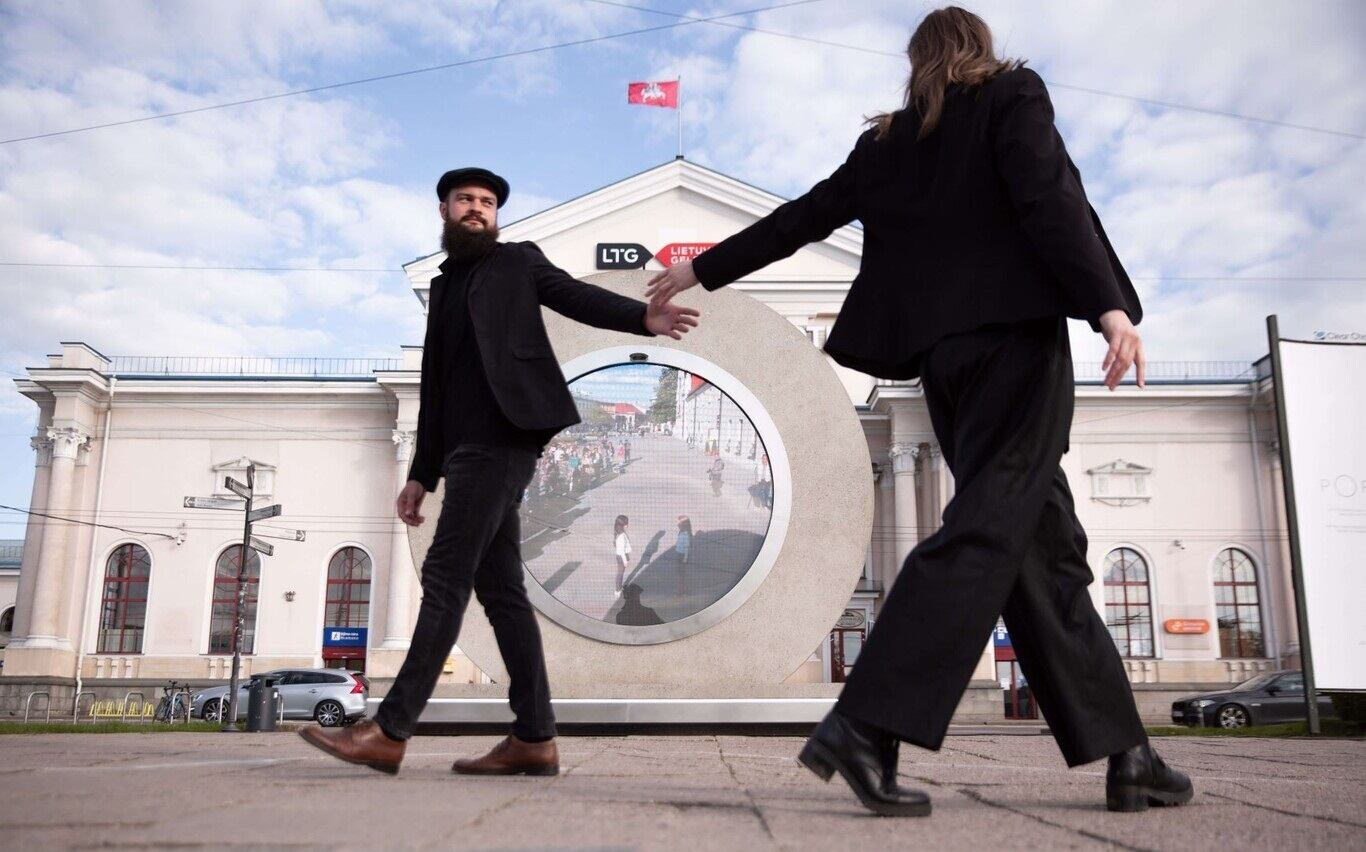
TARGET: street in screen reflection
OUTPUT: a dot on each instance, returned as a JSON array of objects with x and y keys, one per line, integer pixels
[{"x": 653, "y": 507}]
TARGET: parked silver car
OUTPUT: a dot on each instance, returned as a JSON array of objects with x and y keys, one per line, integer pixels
[{"x": 331, "y": 696}]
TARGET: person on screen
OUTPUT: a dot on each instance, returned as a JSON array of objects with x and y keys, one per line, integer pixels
[
  {"x": 491, "y": 397},
  {"x": 683, "y": 547},
  {"x": 633, "y": 611},
  {"x": 621, "y": 544},
  {"x": 978, "y": 243}
]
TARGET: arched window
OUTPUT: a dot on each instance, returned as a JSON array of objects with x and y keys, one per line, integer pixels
[
  {"x": 6, "y": 626},
  {"x": 348, "y": 589},
  {"x": 123, "y": 602},
  {"x": 223, "y": 619},
  {"x": 1237, "y": 605},
  {"x": 1128, "y": 604}
]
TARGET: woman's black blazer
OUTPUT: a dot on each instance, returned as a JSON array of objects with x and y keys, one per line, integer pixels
[{"x": 983, "y": 221}]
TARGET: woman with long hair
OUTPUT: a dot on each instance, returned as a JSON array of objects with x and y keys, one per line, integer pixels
[
  {"x": 621, "y": 546},
  {"x": 978, "y": 243}
]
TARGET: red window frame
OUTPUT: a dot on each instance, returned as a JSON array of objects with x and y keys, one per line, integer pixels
[
  {"x": 1128, "y": 603},
  {"x": 348, "y": 590},
  {"x": 223, "y": 615},
  {"x": 1240, "y": 616},
  {"x": 123, "y": 600}
]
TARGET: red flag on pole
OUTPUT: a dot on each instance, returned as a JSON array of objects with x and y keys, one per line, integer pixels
[{"x": 660, "y": 94}]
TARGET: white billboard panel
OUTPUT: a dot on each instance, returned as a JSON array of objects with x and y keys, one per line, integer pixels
[{"x": 1324, "y": 387}]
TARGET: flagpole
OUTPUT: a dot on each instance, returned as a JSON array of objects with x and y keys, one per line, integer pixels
[{"x": 680, "y": 116}]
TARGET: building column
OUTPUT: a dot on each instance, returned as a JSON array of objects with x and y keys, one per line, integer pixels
[
  {"x": 33, "y": 535},
  {"x": 907, "y": 529},
  {"x": 397, "y": 630},
  {"x": 939, "y": 484},
  {"x": 54, "y": 576},
  {"x": 1281, "y": 585}
]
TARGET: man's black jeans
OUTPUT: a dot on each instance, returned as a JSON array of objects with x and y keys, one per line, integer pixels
[{"x": 476, "y": 547}]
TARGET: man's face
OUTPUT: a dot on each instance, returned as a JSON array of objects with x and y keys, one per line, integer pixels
[{"x": 472, "y": 207}]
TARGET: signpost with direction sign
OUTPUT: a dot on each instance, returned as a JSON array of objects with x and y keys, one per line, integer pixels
[{"x": 249, "y": 543}]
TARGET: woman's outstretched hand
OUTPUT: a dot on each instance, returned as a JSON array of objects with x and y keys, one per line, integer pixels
[
  {"x": 1126, "y": 348},
  {"x": 670, "y": 283},
  {"x": 669, "y": 319}
]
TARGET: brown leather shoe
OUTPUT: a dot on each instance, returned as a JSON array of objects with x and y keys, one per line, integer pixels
[
  {"x": 363, "y": 743},
  {"x": 513, "y": 757}
]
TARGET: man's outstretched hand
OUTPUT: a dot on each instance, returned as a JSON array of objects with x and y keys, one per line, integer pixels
[
  {"x": 670, "y": 283},
  {"x": 409, "y": 503},
  {"x": 666, "y": 318}
]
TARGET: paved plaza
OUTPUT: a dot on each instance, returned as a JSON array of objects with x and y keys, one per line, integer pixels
[{"x": 696, "y": 792}]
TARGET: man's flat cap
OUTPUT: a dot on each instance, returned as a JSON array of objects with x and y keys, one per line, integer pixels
[{"x": 473, "y": 174}]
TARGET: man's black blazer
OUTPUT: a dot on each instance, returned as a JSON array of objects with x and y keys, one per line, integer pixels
[
  {"x": 983, "y": 221},
  {"x": 507, "y": 288}
]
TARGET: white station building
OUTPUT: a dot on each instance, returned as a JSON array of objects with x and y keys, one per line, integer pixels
[{"x": 1178, "y": 486}]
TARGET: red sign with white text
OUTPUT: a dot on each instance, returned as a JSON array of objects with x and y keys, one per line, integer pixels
[
  {"x": 679, "y": 252},
  {"x": 1186, "y": 625}
]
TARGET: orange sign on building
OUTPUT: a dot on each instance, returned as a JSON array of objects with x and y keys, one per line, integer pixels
[{"x": 1186, "y": 625}]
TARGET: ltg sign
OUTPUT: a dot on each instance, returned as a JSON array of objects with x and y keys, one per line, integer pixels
[{"x": 635, "y": 256}]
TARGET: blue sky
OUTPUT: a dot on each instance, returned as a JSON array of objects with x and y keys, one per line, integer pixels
[{"x": 344, "y": 177}]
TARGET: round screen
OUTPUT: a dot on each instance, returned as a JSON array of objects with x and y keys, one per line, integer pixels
[{"x": 654, "y": 506}]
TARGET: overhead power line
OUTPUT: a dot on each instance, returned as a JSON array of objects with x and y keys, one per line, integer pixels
[
  {"x": 192, "y": 268},
  {"x": 1054, "y": 83},
  {"x": 511, "y": 54},
  {"x": 85, "y": 523},
  {"x": 385, "y": 269}
]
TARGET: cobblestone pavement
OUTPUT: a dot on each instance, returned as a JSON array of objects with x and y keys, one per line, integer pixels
[{"x": 695, "y": 792}]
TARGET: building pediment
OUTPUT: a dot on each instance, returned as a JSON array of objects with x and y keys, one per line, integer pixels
[
  {"x": 237, "y": 469},
  {"x": 1120, "y": 483},
  {"x": 676, "y": 202}
]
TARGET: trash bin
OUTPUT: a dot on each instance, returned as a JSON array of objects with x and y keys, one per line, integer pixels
[{"x": 263, "y": 704}]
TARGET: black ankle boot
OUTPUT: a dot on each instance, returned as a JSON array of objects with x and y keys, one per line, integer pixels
[
  {"x": 866, "y": 758},
  {"x": 1138, "y": 778}
]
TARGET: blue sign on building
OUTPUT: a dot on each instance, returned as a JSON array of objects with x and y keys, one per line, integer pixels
[
  {"x": 999, "y": 637},
  {"x": 344, "y": 637}
]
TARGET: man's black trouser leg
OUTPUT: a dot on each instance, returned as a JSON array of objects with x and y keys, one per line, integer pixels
[
  {"x": 1000, "y": 400},
  {"x": 475, "y": 548}
]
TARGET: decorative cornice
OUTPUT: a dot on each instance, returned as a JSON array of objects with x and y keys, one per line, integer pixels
[
  {"x": 904, "y": 456},
  {"x": 67, "y": 441},
  {"x": 43, "y": 447},
  {"x": 404, "y": 439}
]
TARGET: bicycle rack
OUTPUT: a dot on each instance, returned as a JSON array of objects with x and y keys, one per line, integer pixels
[
  {"x": 123, "y": 711},
  {"x": 76, "y": 706},
  {"x": 29, "y": 704}
]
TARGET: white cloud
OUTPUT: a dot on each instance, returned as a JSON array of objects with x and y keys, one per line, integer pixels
[{"x": 1182, "y": 193}]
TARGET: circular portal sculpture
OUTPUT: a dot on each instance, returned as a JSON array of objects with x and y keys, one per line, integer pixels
[{"x": 707, "y": 521}]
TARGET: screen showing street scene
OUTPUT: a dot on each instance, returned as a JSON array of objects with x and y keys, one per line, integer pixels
[{"x": 655, "y": 505}]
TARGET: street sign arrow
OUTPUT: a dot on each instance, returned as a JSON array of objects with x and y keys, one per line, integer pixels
[
  {"x": 257, "y": 544},
  {"x": 237, "y": 488},
  {"x": 264, "y": 512},
  {"x": 213, "y": 503},
  {"x": 284, "y": 535}
]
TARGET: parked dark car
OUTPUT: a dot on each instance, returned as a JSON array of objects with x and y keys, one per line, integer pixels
[{"x": 1266, "y": 699}]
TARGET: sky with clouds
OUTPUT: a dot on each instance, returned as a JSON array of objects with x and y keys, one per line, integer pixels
[{"x": 343, "y": 176}]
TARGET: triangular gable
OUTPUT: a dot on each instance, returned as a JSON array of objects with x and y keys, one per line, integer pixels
[{"x": 678, "y": 201}]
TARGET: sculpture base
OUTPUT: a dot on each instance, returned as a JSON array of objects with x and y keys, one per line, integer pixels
[{"x": 470, "y": 707}]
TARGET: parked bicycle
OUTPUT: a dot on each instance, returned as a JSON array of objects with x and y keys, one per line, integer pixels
[{"x": 174, "y": 702}]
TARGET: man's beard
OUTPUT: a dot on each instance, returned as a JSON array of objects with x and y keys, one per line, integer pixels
[{"x": 459, "y": 241}]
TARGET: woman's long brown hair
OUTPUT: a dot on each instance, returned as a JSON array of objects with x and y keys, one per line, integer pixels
[{"x": 952, "y": 45}]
